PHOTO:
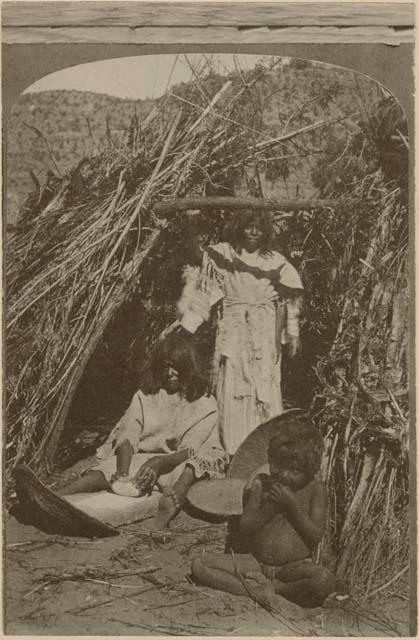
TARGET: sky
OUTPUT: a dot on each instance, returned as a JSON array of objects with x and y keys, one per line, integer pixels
[{"x": 140, "y": 77}]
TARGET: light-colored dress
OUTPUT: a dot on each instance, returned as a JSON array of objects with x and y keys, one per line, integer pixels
[
  {"x": 260, "y": 308},
  {"x": 164, "y": 423}
]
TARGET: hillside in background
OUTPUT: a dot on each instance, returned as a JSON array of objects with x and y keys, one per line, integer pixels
[
  {"x": 74, "y": 123},
  {"x": 63, "y": 117}
]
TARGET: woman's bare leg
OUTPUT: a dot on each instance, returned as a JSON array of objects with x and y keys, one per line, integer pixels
[
  {"x": 170, "y": 505},
  {"x": 87, "y": 483}
]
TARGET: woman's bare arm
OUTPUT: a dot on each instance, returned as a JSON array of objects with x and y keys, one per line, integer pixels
[
  {"x": 167, "y": 462},
  {"x": 124, "y": 453}
]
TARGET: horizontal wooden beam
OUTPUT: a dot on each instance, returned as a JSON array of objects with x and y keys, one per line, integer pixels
[
  {"x": 208, "y": 14},
  {"x": 161, "y": 209},
  {"x": 207, "y": 35}
]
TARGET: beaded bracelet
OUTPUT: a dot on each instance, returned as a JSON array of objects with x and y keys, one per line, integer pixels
[{"x": 171, "y": 493}]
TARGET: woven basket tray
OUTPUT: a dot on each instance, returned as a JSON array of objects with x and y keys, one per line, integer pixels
[
  {"x": 253, "y": 452},
  {"x": 220, "y": 497}
]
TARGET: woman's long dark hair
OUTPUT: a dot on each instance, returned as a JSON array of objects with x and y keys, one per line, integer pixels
[
  {"x": 241, "y": 219},
  {"x": 182, "y": 355}
]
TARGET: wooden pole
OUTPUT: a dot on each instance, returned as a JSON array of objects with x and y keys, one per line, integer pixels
[{"x": 162, "y": 209}]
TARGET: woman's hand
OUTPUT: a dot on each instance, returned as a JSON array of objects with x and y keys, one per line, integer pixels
[
  {"x": 147, "y": 476},
  {"x": 121, "y": 477}
]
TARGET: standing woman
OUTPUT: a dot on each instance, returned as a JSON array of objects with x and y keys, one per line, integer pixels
[{"x": 261, "y": 297}]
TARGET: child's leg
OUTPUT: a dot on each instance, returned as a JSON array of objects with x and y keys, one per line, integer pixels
[
  {"x": 220, "y": 571},
  {"x": 87, "y": 483},
  {"x": 173, "y": 499},
  {"x": 305, "y": 583}
]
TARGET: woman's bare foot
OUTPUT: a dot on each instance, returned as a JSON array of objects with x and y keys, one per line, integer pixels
[{"x": 168, "y": 508}]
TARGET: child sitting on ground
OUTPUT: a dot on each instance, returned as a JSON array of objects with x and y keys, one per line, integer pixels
[{"x": 282, "y": 523}]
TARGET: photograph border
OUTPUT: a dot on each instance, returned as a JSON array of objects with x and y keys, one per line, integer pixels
[{"x": 375, "y": 39}]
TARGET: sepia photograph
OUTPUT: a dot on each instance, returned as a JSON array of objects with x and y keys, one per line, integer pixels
[{"x": 208, "y": 365}]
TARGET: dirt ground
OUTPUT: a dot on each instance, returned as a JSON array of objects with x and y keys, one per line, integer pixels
[{"x": 138, "y": 584}]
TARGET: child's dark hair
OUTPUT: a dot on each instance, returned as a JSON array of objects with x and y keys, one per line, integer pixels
[
  {"x": 181, "y": 353},
  {"x": 297, "y": 442},
  {"x": 241, "y": 219}
]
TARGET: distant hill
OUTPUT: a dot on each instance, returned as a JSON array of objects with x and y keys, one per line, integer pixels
[
  {"x": 290, "y": 97},
  {"x": 62, "y": 117}
]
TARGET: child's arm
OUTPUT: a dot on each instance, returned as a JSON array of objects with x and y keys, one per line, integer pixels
[
  {"x": 256, "y": 512},
  {"x": 308, "y": 524}
]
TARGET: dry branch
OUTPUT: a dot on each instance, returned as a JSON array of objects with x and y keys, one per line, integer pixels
[
  {"x": 183, "y": 204},
  {"x": 47, "y": 453},
  {"x": 50, "y": 151},
  {"x": 293, "y": 134}
]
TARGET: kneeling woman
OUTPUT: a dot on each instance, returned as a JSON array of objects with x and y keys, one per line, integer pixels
[{"x": 167, "y": 437}]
